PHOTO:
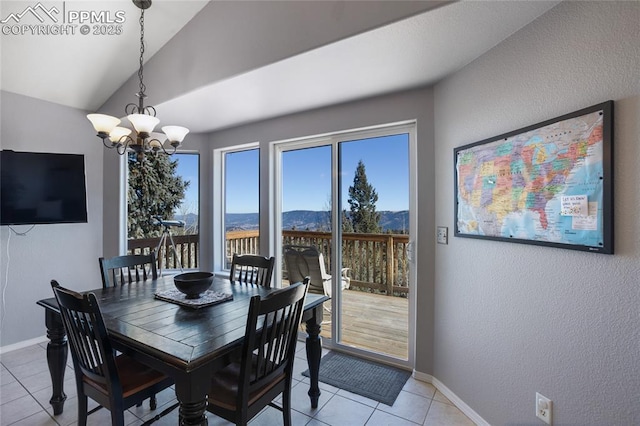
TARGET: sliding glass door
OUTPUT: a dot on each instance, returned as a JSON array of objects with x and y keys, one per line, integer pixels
[{"x": 347, "y": 199}]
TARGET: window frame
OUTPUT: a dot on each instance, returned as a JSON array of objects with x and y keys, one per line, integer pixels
[
  {"x": 123, "y": 219},
  {"x": 218, "y": 207}
]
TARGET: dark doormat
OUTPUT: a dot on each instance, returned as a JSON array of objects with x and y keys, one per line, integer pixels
[{"x": 376, "y": 381}]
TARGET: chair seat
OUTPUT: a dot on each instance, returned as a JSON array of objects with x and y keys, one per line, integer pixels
[
  {"x": 225, "y": 383},
  {"x": 134, "y": 377}
]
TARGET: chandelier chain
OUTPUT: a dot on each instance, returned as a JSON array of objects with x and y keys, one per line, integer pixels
[
  {"x": 140, "y": 70},
  {"x": 141, "y": 138}
]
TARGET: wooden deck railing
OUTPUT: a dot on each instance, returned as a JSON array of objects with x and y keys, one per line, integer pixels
[
  {"x": 241, "y": 242},
  {"x": 377, "y": 262},
  {"x": 186, "y": 246}
]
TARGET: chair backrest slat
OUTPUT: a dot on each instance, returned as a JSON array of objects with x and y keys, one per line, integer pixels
[
  {"x": 252, "y": 269},
  {"x": 270, "y": 338},
  {"x": 127, "y": 269},
  {"x": 87, "y": 335}
]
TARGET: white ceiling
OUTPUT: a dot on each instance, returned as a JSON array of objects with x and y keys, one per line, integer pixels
[
  {"x": 413, "y": 52},
  {"x": 84, "y": 71}
]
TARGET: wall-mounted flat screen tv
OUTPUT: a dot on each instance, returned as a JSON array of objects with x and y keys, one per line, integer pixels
[{"x": 38, "y": 188}]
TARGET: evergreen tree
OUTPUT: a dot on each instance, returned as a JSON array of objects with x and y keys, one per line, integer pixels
[
  {"x": 362, "y": 199},
  {"x": 154, "y": 190},
  {"x": 347, "y": 226}
]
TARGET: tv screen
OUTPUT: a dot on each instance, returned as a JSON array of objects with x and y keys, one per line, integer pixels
[{"x": 37, "y": 188}]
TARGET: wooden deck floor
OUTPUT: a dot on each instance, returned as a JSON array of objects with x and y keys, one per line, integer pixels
[{"x": 374, "y": 322}]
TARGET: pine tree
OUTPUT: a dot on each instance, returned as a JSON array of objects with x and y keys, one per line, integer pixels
[
  {"x": 347, "y": 226},
  {"x": 154, "y": 190},
  {"x": 362, "y": 199}
]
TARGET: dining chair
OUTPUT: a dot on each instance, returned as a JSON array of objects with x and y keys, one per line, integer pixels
[
  {"x": 264, "y": 370},
  {"x": 127, "y": 269},
  {"x": 252, "y": 269},
  {"x": 115, "y": 382}
]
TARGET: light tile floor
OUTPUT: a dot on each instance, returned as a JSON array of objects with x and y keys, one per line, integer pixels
[{"x": 25, "y": 389}]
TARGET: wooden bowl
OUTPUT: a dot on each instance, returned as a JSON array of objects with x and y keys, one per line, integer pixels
[{"x": 193, "y": 284}]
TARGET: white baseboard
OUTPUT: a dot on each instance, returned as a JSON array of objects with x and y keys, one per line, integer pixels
[
  {"x": 423, "y": 377},
  {"x": 462, "y": 406},
  {"x": 23, "y": 344}
]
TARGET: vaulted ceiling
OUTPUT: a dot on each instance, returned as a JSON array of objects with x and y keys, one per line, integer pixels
[{"x": 389, "y": 52}]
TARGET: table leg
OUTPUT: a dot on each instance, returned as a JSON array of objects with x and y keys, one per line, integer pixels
[
  {"x": 192, "y": 414},
  {"x": 314, "y": 353},
  {"x": 57, "y": 351},
  {"x": 192, "y": 395}
]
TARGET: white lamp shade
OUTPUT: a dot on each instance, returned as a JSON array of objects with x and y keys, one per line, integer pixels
[
  {"x": 175, "y": 133},
  {"x": 143, "y": 122},
  {"x": 155, "y": 144},
  {"x": 103, "y": 123},
  {"x": 117, "y": 133}
]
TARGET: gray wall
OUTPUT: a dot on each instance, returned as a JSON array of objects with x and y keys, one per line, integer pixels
[
  {"x": 66, "y": 252},
  {"x": 416, "y": 104},
  {"x": 514, "y": 319},
  {"x": 200, "y": 143}
]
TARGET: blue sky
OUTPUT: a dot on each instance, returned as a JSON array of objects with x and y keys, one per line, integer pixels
[
  {"x": 386, "y": 161},
  {"x": 188, "y": 169},
  {"x": 307, "y": 175},
  {"x": 242, "y": 169}
]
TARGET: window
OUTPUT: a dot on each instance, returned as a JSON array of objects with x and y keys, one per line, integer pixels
[
  {"x": 163, "y": 207},
  {"x": 239, "y": 213}
]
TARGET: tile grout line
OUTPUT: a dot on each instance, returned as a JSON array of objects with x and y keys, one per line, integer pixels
[
  {"x": 30, "y": 395},
  {"x": 312, "y": 415}
]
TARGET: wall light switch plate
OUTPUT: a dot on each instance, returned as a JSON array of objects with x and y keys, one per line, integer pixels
[{"x": 442, "y": 235}]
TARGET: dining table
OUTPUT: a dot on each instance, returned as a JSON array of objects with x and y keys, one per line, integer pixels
[{"x": 186, "y": 343}]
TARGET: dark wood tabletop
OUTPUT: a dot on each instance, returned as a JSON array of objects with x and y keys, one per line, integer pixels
[{"x": 185, "y": 343}]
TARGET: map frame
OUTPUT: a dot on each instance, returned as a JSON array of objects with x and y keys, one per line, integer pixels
[{"x": 605, "y": 227}]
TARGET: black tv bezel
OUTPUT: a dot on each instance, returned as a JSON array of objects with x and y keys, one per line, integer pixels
[{"x": 84, "y": 217}]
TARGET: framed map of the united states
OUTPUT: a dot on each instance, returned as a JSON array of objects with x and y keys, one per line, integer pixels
[{"x": 547, "y": 184}]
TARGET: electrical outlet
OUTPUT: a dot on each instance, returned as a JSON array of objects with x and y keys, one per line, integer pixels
[
  {"x": 442, "y": 235},
  {"x": 543, "y": 408}
]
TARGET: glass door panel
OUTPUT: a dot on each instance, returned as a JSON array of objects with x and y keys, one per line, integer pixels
[
  {"x": 306, "y": 213},
  {"x": 374, "y": 203}
]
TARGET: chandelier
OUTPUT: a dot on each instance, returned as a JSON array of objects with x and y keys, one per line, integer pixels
[{"x": 143, "y": 119}]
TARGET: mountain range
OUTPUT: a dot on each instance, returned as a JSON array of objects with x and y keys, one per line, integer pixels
[{"x": 396, "y": 221}]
